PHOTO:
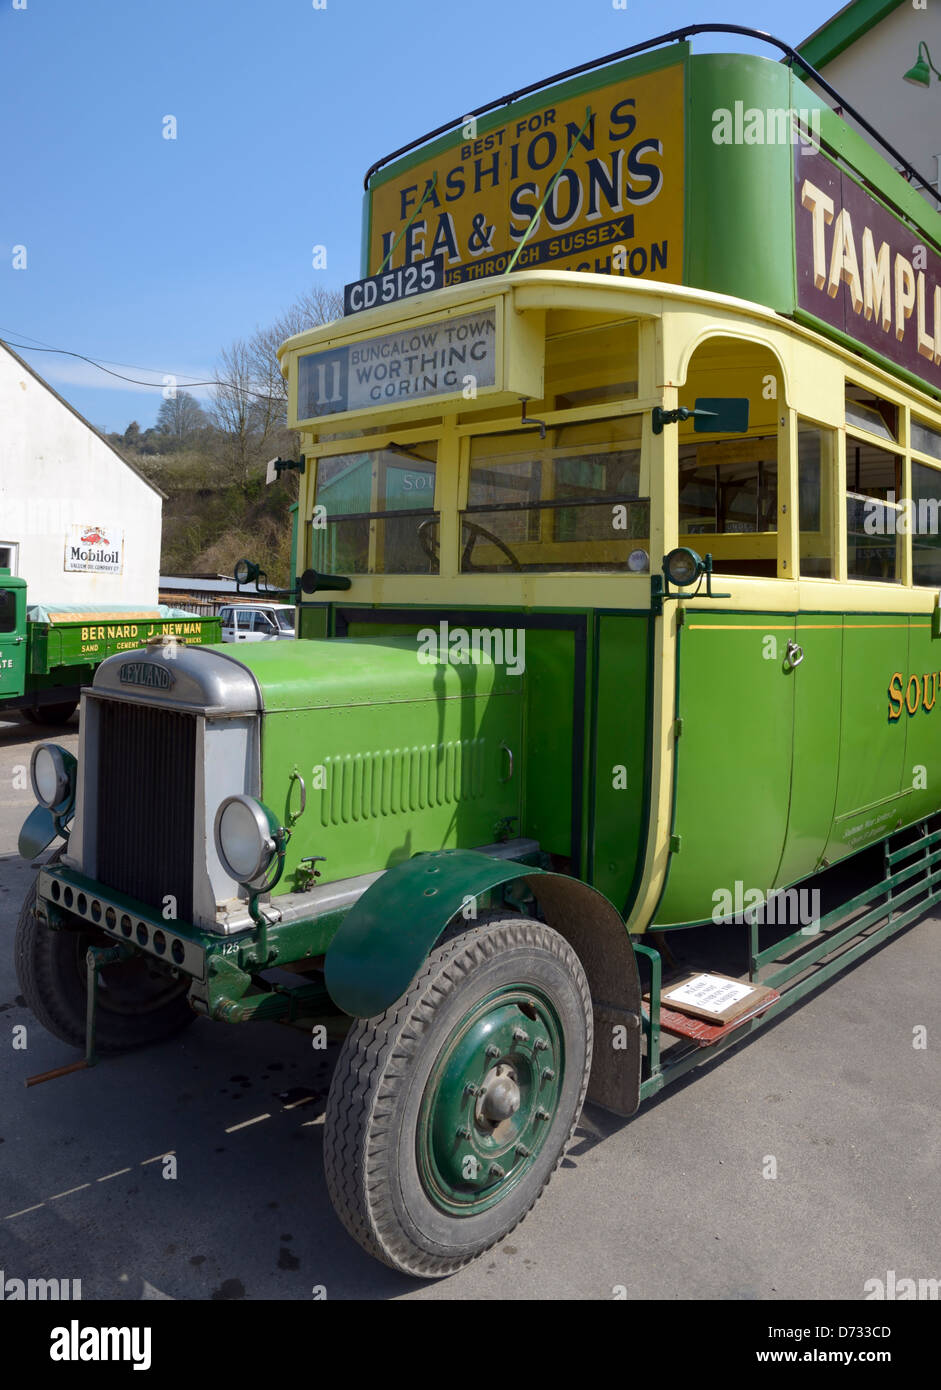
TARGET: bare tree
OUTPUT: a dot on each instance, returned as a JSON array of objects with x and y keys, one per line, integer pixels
[
  {"x": 181, "y": 417},
  {"x": 250, "y": 396},
  {"x": 309, "y": 310}
]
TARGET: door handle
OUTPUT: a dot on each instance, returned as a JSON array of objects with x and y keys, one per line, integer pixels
[
  {"x": 509, "y": 754},
  {"x": 793, "y": 656}
]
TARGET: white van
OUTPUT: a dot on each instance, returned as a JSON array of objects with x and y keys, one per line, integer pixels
[{"x": 257, "y": 622}]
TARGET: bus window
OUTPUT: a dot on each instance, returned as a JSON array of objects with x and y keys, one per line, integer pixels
[
  {"x": 730, "y": 488},
  {"x": 926, "y": 542},
  {"x": 589, "y": 366},
  {"x": 926, "y": 440},
  {"x": 815, "y": 454},
  {"x": 375, "y": 512},
  {"x": 568, "y": 502},
  {"x": 873, "y": 486},
  {"x": 864, "y": 411}
]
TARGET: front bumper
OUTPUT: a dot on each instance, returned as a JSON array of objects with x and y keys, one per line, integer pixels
[{"x": 63, "y": 893}]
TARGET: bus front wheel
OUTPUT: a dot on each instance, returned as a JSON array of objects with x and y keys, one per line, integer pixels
[{"x": 448, "y": 1113}]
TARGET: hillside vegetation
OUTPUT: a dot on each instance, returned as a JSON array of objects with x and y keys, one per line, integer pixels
[{"x": 210, "y": 459}]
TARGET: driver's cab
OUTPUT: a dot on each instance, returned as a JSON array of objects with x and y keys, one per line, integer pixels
[
  {"x": 552, "y": 486},
  {"x": 566, "y": 493}
]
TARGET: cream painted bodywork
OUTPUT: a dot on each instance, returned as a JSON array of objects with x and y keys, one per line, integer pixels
[{"x": 674, "y": 321}]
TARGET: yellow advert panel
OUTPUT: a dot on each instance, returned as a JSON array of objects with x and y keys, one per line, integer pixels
[{"x": 616, "y": 206}]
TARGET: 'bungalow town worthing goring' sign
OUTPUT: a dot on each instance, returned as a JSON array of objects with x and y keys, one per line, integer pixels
[{"x": 95, "y": 549}]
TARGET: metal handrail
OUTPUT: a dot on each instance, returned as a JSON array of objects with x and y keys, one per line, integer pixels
[{"x": 675, "y": 35}]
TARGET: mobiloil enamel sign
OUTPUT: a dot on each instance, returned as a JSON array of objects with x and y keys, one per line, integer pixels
[
  {"x": 616, "y": 206},
  {"x": 94, "y": 549}
]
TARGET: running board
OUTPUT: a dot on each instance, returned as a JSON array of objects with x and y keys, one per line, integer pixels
[{"x": 910, "y": 886}]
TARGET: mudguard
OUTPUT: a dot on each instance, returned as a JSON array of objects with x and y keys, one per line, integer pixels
[
  {"x": 387, "y": 934},
  {"x": 37, "y": 833}
]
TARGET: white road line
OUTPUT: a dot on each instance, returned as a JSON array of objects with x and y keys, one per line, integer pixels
[
  {"x": 168, "y": 1153},
  {"x": 69, "y": 1193},
  {"x": 108, "y": 1176},
  {"x": 24, "y": 1211},
  {"x": 245, "y": 1123}
]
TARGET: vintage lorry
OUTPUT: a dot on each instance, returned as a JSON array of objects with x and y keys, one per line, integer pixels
[
  {"x": 48, "y": 654},
  {"x": 595, "y": 643}
]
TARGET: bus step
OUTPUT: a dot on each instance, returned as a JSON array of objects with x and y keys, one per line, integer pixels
[{"x": 702, "y": 1033}]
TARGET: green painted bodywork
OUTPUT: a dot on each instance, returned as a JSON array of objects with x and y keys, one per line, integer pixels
[
  {"x": 617, "y": 790},
  {"x": 397, "y": 756},
  {"x": 829, "y": 771},
  {"x": 739, "y": 198}
]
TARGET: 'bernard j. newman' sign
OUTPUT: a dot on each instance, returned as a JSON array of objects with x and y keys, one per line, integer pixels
[
  {"x": 433, "y": 359},
  {"x": 863, "y": 271},
  {"x": 95, "y": 549}
]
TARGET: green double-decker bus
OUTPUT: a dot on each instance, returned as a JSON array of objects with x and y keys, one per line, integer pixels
[{"x": 618, "y": 613}]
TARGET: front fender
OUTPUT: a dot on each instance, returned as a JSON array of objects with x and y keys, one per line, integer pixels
[
  {"x": 38, "y": 832},
  {"x": 387, "y": 934}
]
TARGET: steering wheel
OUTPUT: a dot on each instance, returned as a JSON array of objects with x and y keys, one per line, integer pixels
[{"x": 430, "y": 546}]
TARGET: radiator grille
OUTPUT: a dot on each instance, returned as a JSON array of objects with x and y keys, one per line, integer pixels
[{"x": 146, "y": 780}]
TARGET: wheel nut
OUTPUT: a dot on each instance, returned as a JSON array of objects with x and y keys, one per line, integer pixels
[
  {"x": 522, "y": 1151},
  {"x": 542, "y": 1114},
  {"x": 491, "y": 1051},
  {"x": 463, "y": 1132},
  {"x": 496, "y": 1171},
  {"x": 540, "y": 1044},
  {"x": 520, "y": 1035},
  {"x": 548, "y": 1074},
  {"x": 471, "y": 1090}
]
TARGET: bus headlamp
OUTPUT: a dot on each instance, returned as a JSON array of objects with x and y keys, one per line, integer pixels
[
  {"x": 245, "y": 572},
  {"x": 248, "y": 837},
  {"x": 52, "y": 773},
  {"x": 683, "y": 567}
]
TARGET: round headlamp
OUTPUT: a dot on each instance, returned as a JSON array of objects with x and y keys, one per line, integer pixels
[
  {"x": 245, "y": 572},
  {"x": 52, "y": 773},
  {"x": 683, "y": 567},
  {"x": 247, "y": 838}
]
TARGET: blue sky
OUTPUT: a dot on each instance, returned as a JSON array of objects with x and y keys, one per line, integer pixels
[{"x": 157, "y": 253}]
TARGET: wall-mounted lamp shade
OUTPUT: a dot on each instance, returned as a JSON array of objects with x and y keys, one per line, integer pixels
[{"x": 920, "y": 74}]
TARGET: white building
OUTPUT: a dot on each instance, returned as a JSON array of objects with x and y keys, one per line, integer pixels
[
  {"x": 884, "y": 58},
  {"x": 77, "y": 521}
]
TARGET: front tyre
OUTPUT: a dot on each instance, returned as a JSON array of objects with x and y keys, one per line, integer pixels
[
  {"x": 136, "y": 1005},
  {"x": 448, "y": 1114},
  {"x": 54, "y": 714}
]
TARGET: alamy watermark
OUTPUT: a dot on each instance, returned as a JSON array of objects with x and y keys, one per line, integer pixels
[
  {"x": 459, "y": 646},
  {"x": 774, "y": 125},
  {"x": 38, "y": 1290},
  {"x": 783, "y": 907},
  {"x": 894, "y": 1288},
  {"x": 904, "y": 517}
]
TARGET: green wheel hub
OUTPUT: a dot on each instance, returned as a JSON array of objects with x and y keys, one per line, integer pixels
[{"x": 490, "y": 1100}]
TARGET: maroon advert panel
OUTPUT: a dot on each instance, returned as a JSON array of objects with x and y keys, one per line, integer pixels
[{"x": 862, "y": 270}]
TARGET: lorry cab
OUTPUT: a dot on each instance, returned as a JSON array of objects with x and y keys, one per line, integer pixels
[
  {"x": 12, "y": 634},
  {"x": 257, "y": 622}
]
